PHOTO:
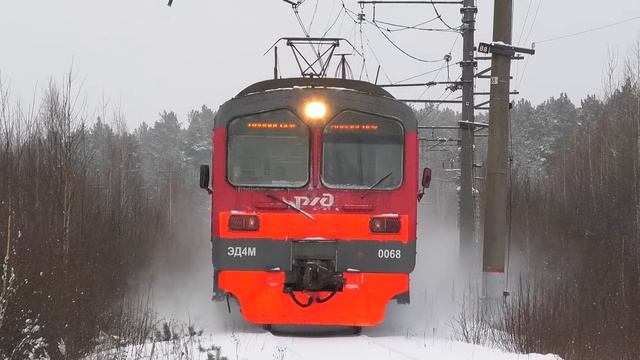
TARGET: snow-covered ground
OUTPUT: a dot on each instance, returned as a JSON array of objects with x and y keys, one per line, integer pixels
[
  {"x": 263, "y": 345},
  {"x": 425, "y": 329}
]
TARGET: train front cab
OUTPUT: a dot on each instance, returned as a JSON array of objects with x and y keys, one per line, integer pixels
[{"x": 314, "y": 203}]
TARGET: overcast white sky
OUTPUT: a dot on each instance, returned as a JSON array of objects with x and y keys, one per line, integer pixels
[{"x": 146, "y": 57}]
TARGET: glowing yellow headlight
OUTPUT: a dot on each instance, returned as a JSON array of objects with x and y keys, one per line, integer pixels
[{"x": 315, "y": 110}]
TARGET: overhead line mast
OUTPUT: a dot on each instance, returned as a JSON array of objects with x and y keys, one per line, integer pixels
[
  {"x": 496, "y": 221},
  {"x": 496, "y": 230},
  {"x": 468, "y": 247}
]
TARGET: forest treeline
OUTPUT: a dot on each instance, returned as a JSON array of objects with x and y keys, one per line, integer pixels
[
  {"x": 575, "y": 208},
  {"x": 84, "y": 207}
]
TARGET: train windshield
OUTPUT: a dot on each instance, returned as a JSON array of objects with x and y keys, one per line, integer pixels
[
  {"x": 362, "y": 151},
  {"x": 268, "y": 150}
]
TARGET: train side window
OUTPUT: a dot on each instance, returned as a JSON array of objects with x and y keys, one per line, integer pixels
[
  {"x": 362, "y": 151},
  {"x": 270, "y": 149}
]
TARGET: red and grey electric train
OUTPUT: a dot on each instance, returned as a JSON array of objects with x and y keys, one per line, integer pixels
[{"x": 314, "y": 187}]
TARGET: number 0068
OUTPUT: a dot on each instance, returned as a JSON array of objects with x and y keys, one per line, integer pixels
[{"x": 389, "y": 254}]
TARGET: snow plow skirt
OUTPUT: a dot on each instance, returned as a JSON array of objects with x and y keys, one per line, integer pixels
[{"x": 362, "y": 302}]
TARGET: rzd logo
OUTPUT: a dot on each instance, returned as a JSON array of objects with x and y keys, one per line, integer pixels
[{"x": 326, "y": 200}]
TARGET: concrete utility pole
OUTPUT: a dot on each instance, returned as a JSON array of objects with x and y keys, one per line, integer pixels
[
  {"x": 468, "y": 250},
  {"x": 495, "y": 229}
]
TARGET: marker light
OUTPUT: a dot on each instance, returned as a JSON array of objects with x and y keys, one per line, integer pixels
[
  {"x": 315, "y": 110},
  {"x": 244, "y": 223},
  {"x": 384, "y": 225}
]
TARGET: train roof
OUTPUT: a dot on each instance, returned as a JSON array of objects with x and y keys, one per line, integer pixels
[
  {"x": 293, "y": 93},
  {"x": 330, "y": 83}
]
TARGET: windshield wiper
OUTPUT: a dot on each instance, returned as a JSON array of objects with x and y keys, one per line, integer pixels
[
  {"x": 291, "y": 205},
  {"x": 376, "y": 184}
]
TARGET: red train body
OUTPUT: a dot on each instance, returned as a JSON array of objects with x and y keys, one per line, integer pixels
[{"x": 314, "y": 209}]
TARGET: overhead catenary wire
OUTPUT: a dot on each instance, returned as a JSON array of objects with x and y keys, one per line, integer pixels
[
  {"x": 427, "y": 87},
  {"x": 412, "y": 27},
  {"x": 578, "y": 33},
  {"x": 349, "y": 12},
  {"x": 340, "y": 15},
  {"x": 364, "y": 59},
  {"x": 335, "y": 21},
  {"x": 359, "y": 24},
  {"x": 448, "y": 88},
  {"x": 441, "y": 19},
  {"x": 353, "y": 33},
  {"x": 294, "y": 7},
  {"x": 437, "y": 106},
  {"x": 437, "y": 70},
  {"x": 352, "y": 13},
  {"x": 440, "y": 70},
  {"x": 329, "y": 16},
  {"x": 297, "y": 14},
  {"x": 313, "y": 16},
  {"x": 533, "y": 22},
  {"x": 420, "y": 29},
  {"x": 424, "y": 73},
  {"x": 526, "y": 63},
  {"x": 344, "y": 18},
  {"x": 524, "y": 23},
  {"x": 358, "y": 30},
  {"x": 408, "y": 27},
  {"x": 588, "y": 30},
  {"x": 401, "y": 49},
  {"x": 377, "y": 59},
  {"x": 448, "y": 59}
]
